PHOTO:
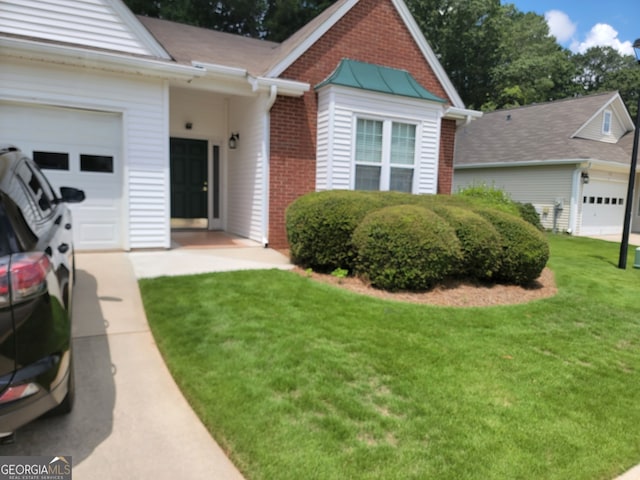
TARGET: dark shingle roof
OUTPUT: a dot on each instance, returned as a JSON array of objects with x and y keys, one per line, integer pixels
[
  {"x": 537, "y": 133},
  {"x": 186, "y": 43}
]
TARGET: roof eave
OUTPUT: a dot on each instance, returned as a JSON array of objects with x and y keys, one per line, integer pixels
[
  {"x": 526, "y": 163},
  {"x": 97, "y": 59},
  {"x": 461, "y": 114},
  {"x": 241, "y": 76}
]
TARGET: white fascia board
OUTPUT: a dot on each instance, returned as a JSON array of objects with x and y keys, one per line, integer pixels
[
  {"x": 289, "y": 88},
  {"x": 454, "y": 113},
  {"x": 428, "y": 53},
  {"x": 609, "y": 166},
  {"x": 99, "y": 60},
  {"x": 277, "y": 70},
  {"x": 530, "y": 163},
  {"x": 140, "y": 30},
  {"x": 220, "y": 70}
]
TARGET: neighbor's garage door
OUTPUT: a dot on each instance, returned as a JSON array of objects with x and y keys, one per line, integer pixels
[
  {"x": 75, "y": 148},
  {"x": 603, "y": 204}
]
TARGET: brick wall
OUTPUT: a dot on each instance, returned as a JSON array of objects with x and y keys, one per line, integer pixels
[
  {"x": 445, "y": 164},
  {"x": 371, "y": 32}
]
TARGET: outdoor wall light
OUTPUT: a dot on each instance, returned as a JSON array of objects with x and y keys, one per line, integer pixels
[
  {"x": 188, "y": 125},
  {"x": 233, "y": 140},
  {"x": 626, "y": 226},
  {"x": 585, "y": 177}
]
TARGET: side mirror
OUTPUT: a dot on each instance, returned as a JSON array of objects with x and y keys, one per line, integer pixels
[{"x": 71, "y": 195}]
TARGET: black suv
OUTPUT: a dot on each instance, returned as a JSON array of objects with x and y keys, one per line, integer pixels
[{"x": 36, "y": 280}]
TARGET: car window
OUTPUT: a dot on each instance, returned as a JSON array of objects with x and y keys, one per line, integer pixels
[
  {"x": 44, "y": 182},
  {"x": 38, "y": 189},
  {"x": 17, "y": 191}
]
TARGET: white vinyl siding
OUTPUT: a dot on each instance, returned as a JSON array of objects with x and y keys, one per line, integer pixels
[
  {"x": 539, "y": 185},
  {"x": 88, "y": 23},
  {"x": 336, "y": 163},
  {"x": 246, "y": 186},
  {"x": 141, "y": 103}
]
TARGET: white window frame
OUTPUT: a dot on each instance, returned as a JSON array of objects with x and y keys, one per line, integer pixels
[
  {"x": 385, "y": 164},
  {"x": 607, "y": 119}
]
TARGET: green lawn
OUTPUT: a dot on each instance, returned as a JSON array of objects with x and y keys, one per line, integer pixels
[{"x": 300, "y": 380}]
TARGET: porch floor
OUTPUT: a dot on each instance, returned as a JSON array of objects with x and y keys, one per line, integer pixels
[{"x": 208, "y": 239}]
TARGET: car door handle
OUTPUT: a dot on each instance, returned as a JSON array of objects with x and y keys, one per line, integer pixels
[{"x": 63, "y": 248}]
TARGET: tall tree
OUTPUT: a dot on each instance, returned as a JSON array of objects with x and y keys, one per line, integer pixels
[
  {"x": 274, "y": 20},
  {"x": 465, "y": 34},
  {"x": 285, "y": 17},
  {"x": 531, "y": 66},
  {"x": 596, "y": 65}
]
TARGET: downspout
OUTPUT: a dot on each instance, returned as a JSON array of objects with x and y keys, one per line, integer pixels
[
  {"x": 266, "y": 150},
  {"x": 576, "y": 194}
]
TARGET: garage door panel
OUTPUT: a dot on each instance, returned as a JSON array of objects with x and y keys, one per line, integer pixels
[
  {"x": 87, "y": 148},
  {"x": 603, "y": 205}
]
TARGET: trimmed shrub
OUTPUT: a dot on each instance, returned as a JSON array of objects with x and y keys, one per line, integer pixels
[
  {"x": 320, "y": 225},
  {"x": 529, "y": 214},
  {"x": 405, "y": 247},
  {"x": 525, "y": 250},
  {"x": 480, "y": 242}
]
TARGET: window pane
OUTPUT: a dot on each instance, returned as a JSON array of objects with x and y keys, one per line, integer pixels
[
  {"x": 369, "y": 141},
  {"x": 401, "y": 179},
  {"x": 403, "y": 144},
  {"x": 52, "y": 160},
  {"x": 96, "y": 163},
  {"x": 606, "y": 125},
  {"x": 367, "y": 177}
]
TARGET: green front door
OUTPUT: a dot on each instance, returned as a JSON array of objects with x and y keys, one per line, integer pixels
[{"x": 188, "y": 178}]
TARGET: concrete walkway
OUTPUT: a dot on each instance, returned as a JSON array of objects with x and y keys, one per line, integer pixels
[{"x": 201, "y": 260}]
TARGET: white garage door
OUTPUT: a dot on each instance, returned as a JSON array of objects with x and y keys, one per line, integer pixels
[
  {"x": 603, "y": 205},
  {"x": 75, "y": 148}
]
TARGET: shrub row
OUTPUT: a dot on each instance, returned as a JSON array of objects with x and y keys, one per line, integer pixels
[{"x": 412, "y": 242}]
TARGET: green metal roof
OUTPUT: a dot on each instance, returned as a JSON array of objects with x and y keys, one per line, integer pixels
[{"x": 367, "y": 76}]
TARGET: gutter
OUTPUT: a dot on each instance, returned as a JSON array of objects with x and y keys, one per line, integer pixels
[
  {"x": 289, "y": 88},
  {"x": 579, "y": 162},
  {"x": 529, "y": 163},
  {"x": 99, "y": 60},
  {"x": 455, "y": 113}
]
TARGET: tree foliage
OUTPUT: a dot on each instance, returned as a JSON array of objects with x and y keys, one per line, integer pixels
[{"x": 267, "y": 19}]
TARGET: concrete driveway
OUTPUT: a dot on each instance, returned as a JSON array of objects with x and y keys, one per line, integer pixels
[{"x": 130, "y": 420}]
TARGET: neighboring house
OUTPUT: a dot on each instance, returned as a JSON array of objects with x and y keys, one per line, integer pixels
[
  {"x": 144, "y": 115},
  {"x": 569, "y": 158}
]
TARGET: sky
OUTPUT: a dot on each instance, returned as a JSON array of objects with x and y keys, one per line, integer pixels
[{"x": 581, "y": 24}]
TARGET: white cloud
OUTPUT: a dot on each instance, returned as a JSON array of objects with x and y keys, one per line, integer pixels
[
  {"x": 560, "y": 25},
  {"x": 602, "y": 35}
]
